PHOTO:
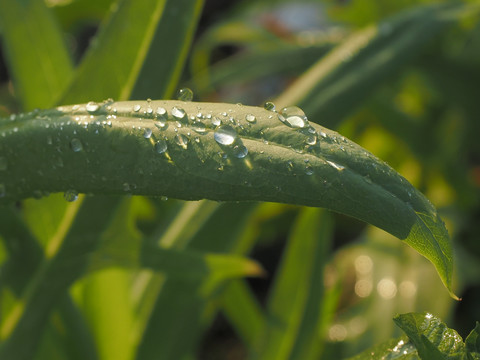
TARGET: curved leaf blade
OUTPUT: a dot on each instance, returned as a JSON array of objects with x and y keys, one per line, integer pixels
[{"x": 130, "y": 147}]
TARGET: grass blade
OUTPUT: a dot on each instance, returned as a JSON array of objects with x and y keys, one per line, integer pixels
[{"x": 36, "y": 52}]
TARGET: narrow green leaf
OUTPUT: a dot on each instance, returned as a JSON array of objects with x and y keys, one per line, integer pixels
[
  {"x": 340, "y": 81},
  {"x": 131, "y": 148},
  {"x": 38, "y": 59},
  {"x": 432, "y": 338},
  {"x": 295, "y": 301}
]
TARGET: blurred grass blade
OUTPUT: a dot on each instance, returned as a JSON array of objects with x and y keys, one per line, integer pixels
[
  {"x": 115, "y": 41},
  {"x": 21, "y": 329},
  {"x": 123, "y": 141},
  {"x": 163, "y": 65},
  {"x": 179, "y": 312},
  {"x": 38, "y": 59},
  {"x": 244, "y": 313},
  {"x": 155, "y": 29},
  {"x": 295, "y": 300},
  {"x": 342, "y": 80}
]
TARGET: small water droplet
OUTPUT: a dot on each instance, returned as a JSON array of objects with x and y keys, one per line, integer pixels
[
  {"x": 289, "y": 165},
  {"x": 92, "y": 107},
  {"x": 137, "y": 107},
  {"x": 309, "y": 170},
  {"x": 126, "y": 187},
  {"x": 216, "y": 121},
  {"x": 178, "y": 113},
  {"x": 76, "y": 145},
  {"x": 240, "y": 151},
  {"x": 251, "y": 118},
  {"x": 335, "y": 165},
  {"x": 199, "y": 128},
  {"x": 181, "y": 140},
  {"x": 161, "y": 146},
  {"x": 311, "y": 140},
  {"x": 163, "y": 198},
  {"x": 185, "y": 94},
  {"x": 322, "y": 134},
  {"x": 225, "y": 135},
  {"x": 270, "y": 106},
  {"x": 161, "y": 113},
  {"x": 3, "y": 163},
  {"x": 70, "y": 195},
  {"x": 147, "y": 133}
]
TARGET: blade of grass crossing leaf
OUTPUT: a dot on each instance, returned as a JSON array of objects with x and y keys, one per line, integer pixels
[
  {"x": 294, "y": 306},
  {"x": 38, "y": 59},
  {"x": 162, "y": 66},
  {"x": 116, "y": 55},
  {"x": 54, "y": 278}
]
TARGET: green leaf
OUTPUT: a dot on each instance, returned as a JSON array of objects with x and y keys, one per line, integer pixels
[
  {"x": 342, "y": 80},
  {"x": 127, "y": 148},
  {"x": 295, "y": 301},
  {"x": 472, "y": 342},
  {"x": 400, "y": 348},
  {"x": 432, "y": 338},
  {"x": 38, "y": 60}
]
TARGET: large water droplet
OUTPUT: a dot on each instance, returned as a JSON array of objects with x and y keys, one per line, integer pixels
[
  {"x": 70, "y": 195},
  {"x": 294, "y": 117},
  {"x": 161, "y": 146},
  {"x": 92, "y": 107},
  {"x": 76, "y": 145},
  {"x": 225, "y": 135},
  {"x": 147, "y": 133},
  {"x": 251, "y": 118},
  {"x": 178, "y": 113},
  {"x": 3, "y": 163},
  {"x": 270, "y": 106},
  {"x": 240, "y": 151},
  {"x": 185, "y": 94},
  {"x": 181, "y": 140}
]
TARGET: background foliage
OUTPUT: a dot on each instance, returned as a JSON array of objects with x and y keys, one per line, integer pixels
[{"x": 397, "y": 77}]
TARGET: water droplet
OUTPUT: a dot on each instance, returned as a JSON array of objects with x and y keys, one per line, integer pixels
[
  {"x": 92, "y": 107},
  {"x": 294, "y": 117},
  {"x": 49, "y": 140},
  {"x": 76, "y": 145},
  {"x": 336, "y": 166},
  {"x": 3, "y": 163},
  {"x": 311, "y": 140},
  {"x": 147, "y": 133},
  {"x": 322, "y": 134},
  {"x": 251, "y": 118},
  {"x": 185, "y": 94},
  {"x": 225, "y": 135},
  {"x": 216, "y": 121},
  {"x": 149, "y": 111},
  {"x": 240, "y": 151},
  {"x": 178, "y": 113},
  {"x": 3, "y": 191},
  {"x": 70, "y": 195},
  {"x": 163, "y": 198},
  {"x": 289, "y": 165},
  {"x": 126, "y": 187},
  {"x": 136, "y": 107},
  {"x": 270, "y": 106},
  {"x": 161, "y": 113},
  {"x": 309, "y": 170},
  {"x": 199, "y": 128},
  {"x": 161, "y": 146},
  {"x": 181, "y": 140}
]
